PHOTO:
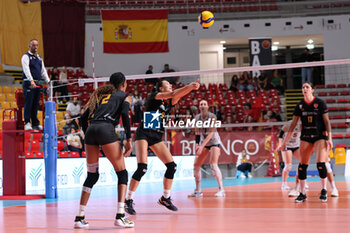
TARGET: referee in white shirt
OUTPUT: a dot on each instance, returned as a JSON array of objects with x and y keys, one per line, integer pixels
[{"x": 33, "y": 71}]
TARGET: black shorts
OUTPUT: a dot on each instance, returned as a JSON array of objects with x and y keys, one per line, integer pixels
[
  {"x": 216, "y": 145},
  {"x": 100, "y": 133},
  {"x": 313, "y": 140},
  {"x": 292, "y": 149},
  {"x": 151, "y": 136}
]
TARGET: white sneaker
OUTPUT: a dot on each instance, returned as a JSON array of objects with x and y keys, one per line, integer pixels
[
  {"x": 123, "y": 222},
  {"x": 250, "y": 175},
  {"x": 221, "y": 193},
  {"x": 80, "y": 223},
  {"x": 306, "y": 185},
  {"x": 243, "y": 176},
  {"x": 335, "y": 193},
  {"x": 38, "y": 127},
  {"x": 285, "y": 187},
  {"x": 196, "y": 194},
  {"x": 293, "y": 193},
  {"x": 28, "y": 126}
]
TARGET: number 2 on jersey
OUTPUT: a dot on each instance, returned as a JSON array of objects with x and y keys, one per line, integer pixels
[
  {"x": 309, "y": 119},
  {"x": 105, "y": 99}
]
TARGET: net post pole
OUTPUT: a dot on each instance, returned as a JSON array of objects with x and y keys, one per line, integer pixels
[{"x": 50, "y": 150}]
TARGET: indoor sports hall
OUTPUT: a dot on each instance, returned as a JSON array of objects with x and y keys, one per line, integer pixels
[{"x": 174, "y": 116}]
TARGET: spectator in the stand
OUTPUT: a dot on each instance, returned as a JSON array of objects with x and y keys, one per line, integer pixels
[
  {"x": 262, "y": 80},
  {"x": 244, "y": 166},
  {"x": 63, "y": 80},
  {"x": 73, "y": 109},
  {"x": 136, "y": 107},
  {"x": 228, "y": 121},
  {"x": 194, "y": 108},
  {"x": 277, "y": 82},
  {"x": 33, "y": 71},
  {"x": 54, "y": 79},
  {"x": 245, "y": 82},
  {"x": 306, "y": 72},
  {"x": 69, "y": 124},
  {"x": 216, "y": 109},
  {"x": 234, "y": 83},
  {"x": 172, "y": 80},
  {"x": 150, "y": 71},
  {"x": 276, "y": 110},
  {"x": 270, "y": 116},
  {"x": 73, "y": 141}
]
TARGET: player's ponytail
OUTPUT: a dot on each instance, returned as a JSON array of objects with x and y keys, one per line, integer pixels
[{"x": 97, "y": 96}]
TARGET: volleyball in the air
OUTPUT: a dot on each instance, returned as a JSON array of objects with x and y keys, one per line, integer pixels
[{"x": 206, "y": 19}]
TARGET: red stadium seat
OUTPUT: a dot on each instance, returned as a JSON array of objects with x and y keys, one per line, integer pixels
[
  {"x": 34, "y": 146},
  {"x": 60, "y": 145},
  {"x": 330, "y": 86},
  {"x": 322, "y": 94},
  {"x": 64, "y": 154},
  {"x": 37, "y": 137},
  {"x": 83, "y": 153},
  {"x": 341, "y": 85},
  {"x": 74, "y": 154},
  {"x": 39, "y": 155},
  {"x": 29, "y": 155}
]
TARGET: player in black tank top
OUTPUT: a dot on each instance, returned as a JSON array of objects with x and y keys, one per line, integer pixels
[
  {"x": 103, "y": 110},
  {"x": 315, "y": 135},
  {"x": 161, "y": 102}
]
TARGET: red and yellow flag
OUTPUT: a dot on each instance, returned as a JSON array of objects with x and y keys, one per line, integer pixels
[{"x": 135, "y": 31}]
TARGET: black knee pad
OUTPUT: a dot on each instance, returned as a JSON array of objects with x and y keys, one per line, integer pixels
[
  {"x": 170, "y": 171},
  {"x": 322, "y": 170},
  {"x": 140, "y": 171},
  {"x": 122, "y": 177},
  {"x": 91, "y": 179},
  {"x": 302, "y": 171}
]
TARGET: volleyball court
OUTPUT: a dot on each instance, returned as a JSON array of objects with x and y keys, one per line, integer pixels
[{"x": 251, "y": 115}]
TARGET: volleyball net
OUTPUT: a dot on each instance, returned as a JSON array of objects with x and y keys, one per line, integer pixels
[{"x": 251, "y": 104}]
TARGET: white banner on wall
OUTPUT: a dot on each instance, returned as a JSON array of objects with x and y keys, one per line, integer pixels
[{"x": 71, "y": 172}]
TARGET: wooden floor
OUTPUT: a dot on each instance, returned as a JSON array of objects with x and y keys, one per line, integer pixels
[{"x": 248, "y": 208}]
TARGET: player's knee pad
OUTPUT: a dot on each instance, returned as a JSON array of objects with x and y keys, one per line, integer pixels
[
  {"x": 329, "y": 168},
  {"x": 122, "y": 177},
  {"x": 302, "y": 171},
  {"x": 140, "y": 171},
  {"x": 287, "y": 167},
  {"x": 170, "y": 171},
  {"x": 322, "y": 170},
  {"x": 90, "y": 181}
]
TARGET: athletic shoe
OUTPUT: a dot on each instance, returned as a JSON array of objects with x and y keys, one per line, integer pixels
[
  {"x": 250, "y": 175},
  {"x": 285, "y": 187},
  {"x": 196, "y": 194},
  {"x": 293, "y": 193},
  {"x": 323, "y": 196},
  {"x": 38, "y": 127},
  {"x": 167, "y": 203},
  {"x": 221, "y": 193},
  {"x": 28, "y": 126},
  {"x": 301, "y": 198},
  {"x": 122, "y": 221},
  {"x": 129, "y": 207},
  {"x": 80, "y": 222},
  {"x": 335, "y": 193}
]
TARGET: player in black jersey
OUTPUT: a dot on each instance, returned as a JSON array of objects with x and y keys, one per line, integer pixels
[
  {"x": 315, "y": 135},
  {"x": 160, "y": 101},
  {"x": 104, "y": 109}
]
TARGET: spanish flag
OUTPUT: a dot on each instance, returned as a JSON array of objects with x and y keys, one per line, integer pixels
[{"x": 135, "y": 31}]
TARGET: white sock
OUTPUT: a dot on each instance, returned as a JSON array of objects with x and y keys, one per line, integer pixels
[
  {"x": 166, "y": 193},
  {"x": 130, "y": 195},
  {"x": 81, "y": 211},
  {"x": 333, "y": 185},
  {"x": 302, "y": 186},
  {"x": 120, "y": 208},
  {"x": 324, "y": 183}
]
